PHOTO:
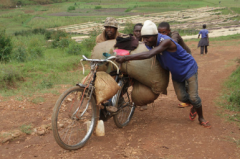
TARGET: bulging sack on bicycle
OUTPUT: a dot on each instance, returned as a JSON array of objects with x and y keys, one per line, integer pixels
[
  {"x": 148, "y": 71},
  {"x": 142, "y": 95},
  {"x": 105, "y": 86}
]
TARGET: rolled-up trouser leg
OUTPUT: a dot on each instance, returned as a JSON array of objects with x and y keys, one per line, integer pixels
[
  {"x": 202, "y": 49},
  {"x": 192, "y": 95}
]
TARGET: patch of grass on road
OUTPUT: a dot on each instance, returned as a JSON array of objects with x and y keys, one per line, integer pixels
[
  {"x": 231, "y": 95},
  {"x": 27, "y": 129}
]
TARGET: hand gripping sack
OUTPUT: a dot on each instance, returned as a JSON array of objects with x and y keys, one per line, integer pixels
[
  {"x": 148, "y": 71},
  {"x": 142, "y": 95},
  {"x": 105, "y": 86}
]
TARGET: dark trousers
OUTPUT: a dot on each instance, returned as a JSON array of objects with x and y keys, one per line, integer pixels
[{"x": 202, "y": 49}]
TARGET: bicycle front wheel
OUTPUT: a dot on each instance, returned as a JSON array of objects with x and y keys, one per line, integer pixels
[
  {"x": 125, "y": 108},
  {"x": 73, "y": 119}
]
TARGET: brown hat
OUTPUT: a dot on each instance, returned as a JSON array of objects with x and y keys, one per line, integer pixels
[{"x": 112, "y": 22}]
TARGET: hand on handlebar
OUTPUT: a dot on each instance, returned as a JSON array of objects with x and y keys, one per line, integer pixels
[{"x": 120, "y": 59}]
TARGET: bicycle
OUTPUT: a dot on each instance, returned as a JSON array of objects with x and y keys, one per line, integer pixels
[{"x": 75, "y": 113}]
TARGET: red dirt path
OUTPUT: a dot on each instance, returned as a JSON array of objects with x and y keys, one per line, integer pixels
[{"x": 163, "y": 131}]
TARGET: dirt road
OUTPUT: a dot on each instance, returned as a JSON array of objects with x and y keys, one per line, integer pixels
[{"x": 162, "y": 131}]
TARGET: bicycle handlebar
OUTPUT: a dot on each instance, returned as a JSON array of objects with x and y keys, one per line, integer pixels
[{"x": 100, "y": 60}]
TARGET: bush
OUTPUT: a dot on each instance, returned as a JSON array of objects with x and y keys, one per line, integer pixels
[
  {"x": 74, "y": 48},
  {"x": 9, "y": 76},
  {"x": 63, "y": 43},
  {"x": 98, "y": 7},
  {"x": 5, "y": 47},
  {"x": 48, "y": 35},
  {"x": 71, "y": 8},
  {"x": 35, "y": 49},
  {"x": 57, "y": 35},
  {"x": 128, "y": 29},
  {"x": 130, "y": 8},
  {"x": 20, "y": 54},
  {"x": 30, "y": 32}
]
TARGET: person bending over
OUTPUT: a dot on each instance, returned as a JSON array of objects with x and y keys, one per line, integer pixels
[
  {"x": 164, "y": 29},
  {"x": 174, "y": 58}
]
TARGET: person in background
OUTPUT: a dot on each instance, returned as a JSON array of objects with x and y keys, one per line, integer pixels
[
  {"x": 137, "y": 31},
  {"x": 204, "y": 42},
  {"x": 110, "y": 32},
  {"x": 164, "y": 29},
  {"x": 171, "y": 56}
]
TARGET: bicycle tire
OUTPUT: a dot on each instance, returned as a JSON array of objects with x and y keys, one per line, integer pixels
[
  {"x": 65, "y": 101},
  {"x": 128, "y": 114}
]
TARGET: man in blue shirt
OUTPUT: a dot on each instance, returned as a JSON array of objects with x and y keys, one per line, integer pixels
[
  {"x": 174, "y": 58},
  {"x": 204, "y": 42}
]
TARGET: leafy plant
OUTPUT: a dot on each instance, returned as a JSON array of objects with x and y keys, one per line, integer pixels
[
  {"x": 5, "y": 47},
  {"x": 128, "y": 29},
  {"x": 9, "y": 76},
  {"x": 98, "y": 7},
  {"x": 20, "y": 54},
  {"x": 27, "y": 129},
  {"x": 71, "y": 8}
]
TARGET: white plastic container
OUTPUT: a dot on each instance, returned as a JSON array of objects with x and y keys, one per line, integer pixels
[{"x": 100, "y": 129}]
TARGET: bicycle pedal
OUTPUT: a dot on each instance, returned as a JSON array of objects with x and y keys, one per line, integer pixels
[{"x": 112, "y": 109}]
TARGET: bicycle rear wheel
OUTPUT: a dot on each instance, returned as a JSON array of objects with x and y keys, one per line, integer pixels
[
  {"x": 125, "y": 107},
  {"x": 73, "y": 121}
]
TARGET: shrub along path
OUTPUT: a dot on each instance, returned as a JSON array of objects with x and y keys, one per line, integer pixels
[{"x": 162, "y": 131}]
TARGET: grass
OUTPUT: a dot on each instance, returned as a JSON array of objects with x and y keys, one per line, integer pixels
[
  {"x": 27, "y": 129},
  {"x": 230, "y": 96},
  {"x": 37, "y": 100},
  {"x": 220, "y": 38}
]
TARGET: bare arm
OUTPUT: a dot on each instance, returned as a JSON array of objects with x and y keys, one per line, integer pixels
[
  {"x": 198, "y": 36},
  {"x": 175, "y": 36},
  {"x": 164, "y": 45}
]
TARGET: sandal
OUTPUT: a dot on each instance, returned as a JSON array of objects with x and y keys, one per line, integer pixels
[
  {"x": 205, "y": 124},
  {"x": 192, "y": 116},
  {"x": 183, "y": 105}
]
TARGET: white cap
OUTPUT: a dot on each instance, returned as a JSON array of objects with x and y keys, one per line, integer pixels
[{"x": 149, "y": 28}]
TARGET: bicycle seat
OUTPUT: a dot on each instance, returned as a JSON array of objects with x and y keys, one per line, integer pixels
[{"x": 121, "y": 52}]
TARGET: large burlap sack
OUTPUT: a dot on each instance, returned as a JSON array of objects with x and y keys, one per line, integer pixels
[
  {"x": 142, "y": 95},
  {"x": 97, "y": 53},
  {"x": 148, "y": 71},
  {"x": 105, "y": 86},
  {"x": 87, "y": 79}
]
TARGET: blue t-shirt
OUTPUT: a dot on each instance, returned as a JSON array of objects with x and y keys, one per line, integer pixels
[
  {"x": 180, "y": 63},
  {"x": 204, "y": 33}
]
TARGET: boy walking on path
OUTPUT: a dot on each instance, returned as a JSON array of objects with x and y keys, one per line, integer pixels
[
  {"x": 204, "y": 42},
  {"x": 164, "y": 29},
  {"x": 174, "y": 58}
]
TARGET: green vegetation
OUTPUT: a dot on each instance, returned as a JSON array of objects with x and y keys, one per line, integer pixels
[
  {"x": 231, "y": 95},
  {"x": 220, "y": 38},
  {"x": 71, "y": 8},
  {"x": 30, "y": 63},
  {"x": 5, "y": 47},
  {"x": 128, "y": 29},
  {"x": 98, "y": 7},
  {"x": 38, "y": 65},
  {"x": 27, "y": 129}
]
